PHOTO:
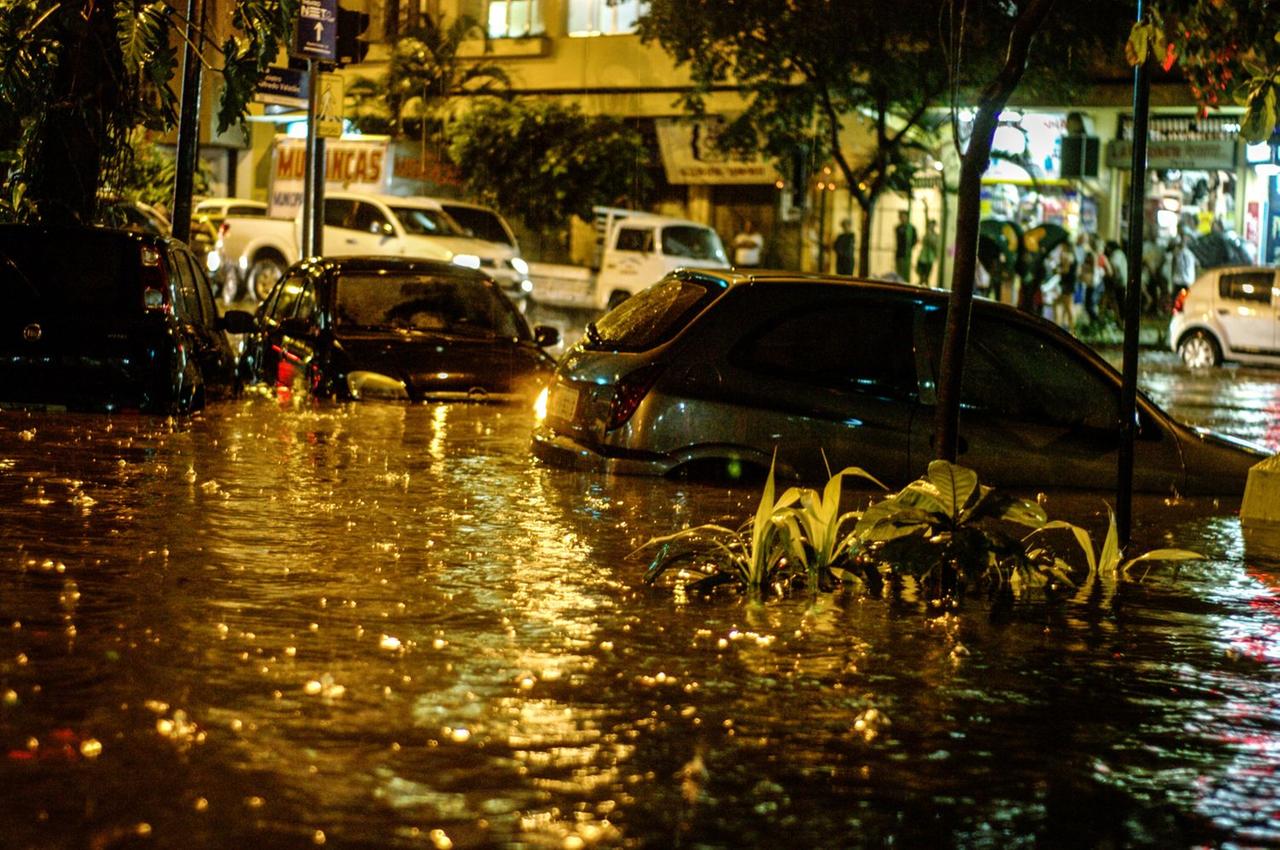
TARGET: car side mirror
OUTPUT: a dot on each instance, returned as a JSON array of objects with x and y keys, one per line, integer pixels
[
  {"x": 239, "y": 322},
  {"x": 545, "y": 336}
]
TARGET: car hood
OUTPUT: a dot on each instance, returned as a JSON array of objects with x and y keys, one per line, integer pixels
[
  {"x": 1218, "y": 463},
  {"x": 434, "y": 365}
]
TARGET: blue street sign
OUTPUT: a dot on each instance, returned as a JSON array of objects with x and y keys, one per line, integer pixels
[
  {"x": 283, "y": 86},
  {"x": 317, "y": 33}
]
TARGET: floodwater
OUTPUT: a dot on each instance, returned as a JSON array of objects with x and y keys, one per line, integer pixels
[{"x": 286, "y": 625}]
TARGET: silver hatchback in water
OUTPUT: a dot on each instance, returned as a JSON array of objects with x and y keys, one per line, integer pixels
[{"x": 708, "y": 373}]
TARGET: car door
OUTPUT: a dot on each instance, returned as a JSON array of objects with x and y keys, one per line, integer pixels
[
  {"x": 217, "y": 359},
  {"x": 281, "y": 351},
  {"x": 203, "y": 348},
  {"x": 1247, "y": 309},
  {"x": 355, "y": 227},
  {"x": 827, "y": 378},
  {"x": 1037, "y": 410},
  {"x": 634, "y": 263}
]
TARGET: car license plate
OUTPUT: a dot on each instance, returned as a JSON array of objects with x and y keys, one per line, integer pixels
[{"x": 563, "y": 402}]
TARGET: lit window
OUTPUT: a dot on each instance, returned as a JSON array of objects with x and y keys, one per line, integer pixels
[
  {"x": 604, "y": 17},
  {"x": 515, "y": 18}
]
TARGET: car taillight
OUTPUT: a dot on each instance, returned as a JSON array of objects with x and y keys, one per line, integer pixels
[
  {"x": 629, "y": 392},
  {"x": 1180, "y": 301},
  {"x": 155, "y": 282}
]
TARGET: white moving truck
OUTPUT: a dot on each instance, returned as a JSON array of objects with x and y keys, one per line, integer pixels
[{"x": 638, "y": 250}]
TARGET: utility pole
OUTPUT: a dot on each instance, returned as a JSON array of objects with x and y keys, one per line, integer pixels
[{"x": 1132, "y": 301}]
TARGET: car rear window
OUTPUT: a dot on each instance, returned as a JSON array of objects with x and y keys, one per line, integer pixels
[
  {"x": 425, "y": 302},
  {"x": 653, "y": 316},
  {"x": 99, "y": 274}
]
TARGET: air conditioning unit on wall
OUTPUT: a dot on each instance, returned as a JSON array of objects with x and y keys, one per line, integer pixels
[{"x": 1079, "y": 156}]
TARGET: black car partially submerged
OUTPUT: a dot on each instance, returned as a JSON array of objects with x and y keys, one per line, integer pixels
[
  {"x": 394, "y": 328},
  {"x": 104, "y": 319}
]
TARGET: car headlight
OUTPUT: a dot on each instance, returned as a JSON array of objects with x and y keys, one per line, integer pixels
[
  {"x": 469, "y": 261},
  {"x": 526, "y": 285},
  {"x": 213, "y": 260},
  {"x": 365, "y": 385},
  {"x": 520, "y": 266}
]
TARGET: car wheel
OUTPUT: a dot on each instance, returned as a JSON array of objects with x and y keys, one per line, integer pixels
[
  {"x": 1199, "y": 350},
  {"x": 263, "y": 275},
  {"x": 616, "y": 298}
]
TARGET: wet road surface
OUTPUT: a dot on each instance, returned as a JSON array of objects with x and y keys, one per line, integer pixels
[{"x": 282, "y": 624}]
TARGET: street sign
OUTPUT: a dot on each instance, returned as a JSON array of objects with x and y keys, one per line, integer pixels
[
  {"x": 329, "y": 107},
  {"x": 317, "y": 33},
  {"x": 282, "y": 86}
]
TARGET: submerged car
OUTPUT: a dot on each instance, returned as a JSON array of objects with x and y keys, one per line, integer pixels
[
  {"x": 1228, "y": 314},
  {"x": 393, "y": 328},
  {"x": 106, "y": 319},
  {"x": 710, "y": 373}
]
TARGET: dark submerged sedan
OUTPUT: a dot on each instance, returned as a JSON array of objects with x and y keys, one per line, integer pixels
[
  {"x": 105, "y": 319},
  {"x": 392, "y": 328},
  {"x": 708, "y": 373}
]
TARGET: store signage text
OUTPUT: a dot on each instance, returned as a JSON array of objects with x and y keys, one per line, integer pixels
[{"x": 1198, "y": 154}]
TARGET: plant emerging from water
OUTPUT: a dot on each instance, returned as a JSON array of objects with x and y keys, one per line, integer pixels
[{"x": 946, "y": 530}]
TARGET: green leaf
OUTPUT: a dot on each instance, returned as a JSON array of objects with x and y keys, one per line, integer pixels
[
  {"x": 1260, "y": 115},
  {"x": 955, "y": 485}
]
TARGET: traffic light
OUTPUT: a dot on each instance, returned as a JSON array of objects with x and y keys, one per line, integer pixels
[{"x": 351, "y": 47}]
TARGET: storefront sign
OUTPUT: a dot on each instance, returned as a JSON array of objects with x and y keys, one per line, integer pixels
[
  {"x": 350, "y": 165},
  {"x": 690, "y": 156},
  {"x": 1197, "y": 154}
]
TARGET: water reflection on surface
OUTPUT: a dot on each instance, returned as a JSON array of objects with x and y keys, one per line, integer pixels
[{"x": 288, "y": 625}]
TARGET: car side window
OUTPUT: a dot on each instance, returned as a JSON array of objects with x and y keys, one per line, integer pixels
[
  {"x": 186, "y": 299},
  {"x": 203, "y": 291},
  {"x": 306, "y": 306},
  {"x": 369, "y": 219},
  {"x": 1013, "y": 372},
  {"x": 634, "y": 239},
  {"x": 1252, "y": 286},
  {"x": 286, "y": 302},
  {"x": 339, "y": 213},
  {"x": 850, "y": 344}
]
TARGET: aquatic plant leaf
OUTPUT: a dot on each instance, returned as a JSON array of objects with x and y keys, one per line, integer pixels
[
  {"x": 1162, "y": 555},
  {"x": 955, "y": 485}
]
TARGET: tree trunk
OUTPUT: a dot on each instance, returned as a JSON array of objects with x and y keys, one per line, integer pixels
[
  {"x": 956, "y": 337},
  {"x": 864, "y": 235}
]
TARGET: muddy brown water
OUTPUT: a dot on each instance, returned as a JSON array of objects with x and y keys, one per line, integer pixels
[{"x": 287, "y": 625}]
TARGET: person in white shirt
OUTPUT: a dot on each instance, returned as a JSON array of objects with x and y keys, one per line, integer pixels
[{"x": 748, "y": 246}]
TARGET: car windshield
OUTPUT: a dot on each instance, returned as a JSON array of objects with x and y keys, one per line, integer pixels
[
  {"x": 695, "y": 243},
  {"x": 425, "y": 303},
  {"x": 100, "y": 275},
  {"x": 418, "y": 221},
  {"x": 651, "y": 317},
  {"x": 480, "y": 223}
]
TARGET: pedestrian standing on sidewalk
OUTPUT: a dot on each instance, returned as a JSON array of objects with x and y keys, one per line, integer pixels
[
  {"x": 843, "y": 247},
  {"x": 928, "y": 255},
  {"x": 904, "y": 241},
  {"x": 1182, "y": 264},
  {"x": 748, "y": 246}
]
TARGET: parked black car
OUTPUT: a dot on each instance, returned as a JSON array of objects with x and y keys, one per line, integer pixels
[
  {"x": 711, "y": 372},
  {"x": 394, "y": 328},
  {"x": 96, "y": 318}
]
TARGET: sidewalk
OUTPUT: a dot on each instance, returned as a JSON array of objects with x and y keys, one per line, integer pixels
[{"x": 1153, "y": 332}]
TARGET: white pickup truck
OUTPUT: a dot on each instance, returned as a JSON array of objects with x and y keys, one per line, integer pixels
[
  {"x": 252, "y": 252},
  {"x": 638, "y": 251}
]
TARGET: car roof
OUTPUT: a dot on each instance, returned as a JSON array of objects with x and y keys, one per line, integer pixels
[
  {"x": 219, "y": 202},
  {"x": 63, "y": 232},
  {"x": 653, "y": 218}
]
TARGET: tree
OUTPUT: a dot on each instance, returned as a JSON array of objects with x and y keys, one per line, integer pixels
[
  {"x": 1227, "y": 51},
  {"x": 544, "y": 162},
  {"x": 426, "y": 79},
  {"x": 808, "y": 69},
  {"x": 76, "y": 79}
]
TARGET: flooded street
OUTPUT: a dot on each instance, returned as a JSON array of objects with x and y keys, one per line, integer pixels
[{"x": 284, "y": 625}]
